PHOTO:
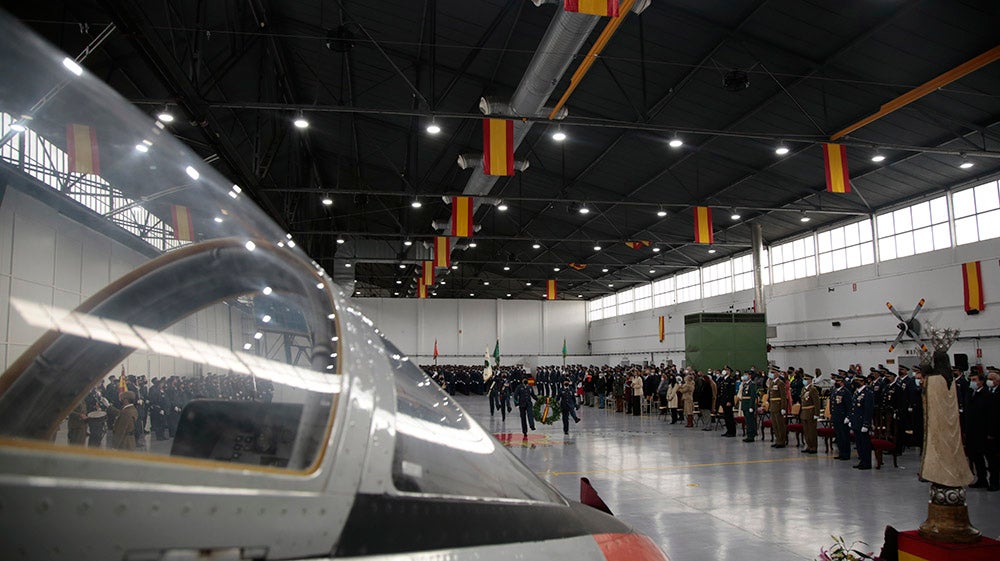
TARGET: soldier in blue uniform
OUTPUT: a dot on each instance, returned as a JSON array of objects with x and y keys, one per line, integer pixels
[
  {"x": 862, "y": 412},
  {"x": 495, "y": 396},
  {"x": 568, "y": 404},
  {"x": 840, "y": 408},
  {"x": 524, "y": 395},
  {"x": 748, "y": 406}
]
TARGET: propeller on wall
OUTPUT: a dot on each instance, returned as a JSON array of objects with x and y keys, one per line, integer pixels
[{"x": 907, "y": 327}]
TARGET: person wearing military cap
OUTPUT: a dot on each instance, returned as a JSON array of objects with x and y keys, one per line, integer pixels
[
  {"x": 777, "y": 407},
  {"x": 748, "y": 406},
  {"x": 860, "y": 420},
  {"x": 840, "y": 399},
  {"x": 808, "y": 412},
  {"x": 524, "y": 396}
]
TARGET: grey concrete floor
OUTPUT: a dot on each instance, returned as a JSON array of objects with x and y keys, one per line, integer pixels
[{"x": 703, "y": 497}]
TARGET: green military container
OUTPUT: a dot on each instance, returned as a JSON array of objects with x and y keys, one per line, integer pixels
[{"x": 713, "y": 340}]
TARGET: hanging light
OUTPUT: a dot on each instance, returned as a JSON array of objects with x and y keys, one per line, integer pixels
[
  {"x": 506, "y": 267},
  {"x": 781, "y": 150},
  {"x": 711, "y": 250},
  {"x": 966, "y": 162},
  {"x": 583, "y": 209},
  {"x": 433, "y": 128},
  {"x": 556, "y": 269},
  {"x": 165, "y": 116},
  {"x": 656, "y": 250},
  {"x": 502, "y": 207},
  {"x": 878, "y": 157},
  {"x": 597, "y": 248},
  {"x": 536, "y": 245},
  {"x": 604, "y": 270},
  {"x": 559, "y": 135},
  {"x": 473, "y": 245},
  {"x": 676, "y": 142},
  {"x": 300, "y": 121},
  {"x": 416, "y": 203},
  {"x": 340, "y": 240},
  {"x": 327, "y": 200},
  {"x": 735, "y": 215},
  {"x": 804, "y": 217},
  {"x": 661, "y": 213}
]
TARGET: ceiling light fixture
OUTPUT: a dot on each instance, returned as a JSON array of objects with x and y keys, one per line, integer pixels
[
  {"x": 138, "y": 147},
  {"x": 473, "y": 245},
  {"x": 610, "y": 285},
  {"x": 527, "y": 284},
  {"x": 804, "y": 217},
  {"x": 348, "y": 265},
  {"x": 711, "y": 250},
  {"x": 559, "y": 135},
  {"x": 536, "y": 245},
  {"x": 72, "y": 66},
  {"x": 735, "y": 215},
  {"x": 652, "y": 271},
  {"x": 506, "y": 267},
  {"x": 218, "y": 219},
  {"x": 502, "y": 207},
  {"x": 597, "y": 248},
  {"x": 656, "y": 250},
  {"x": 661, "y": 213},
  {"x": 878, "y": 157},
  {"x": 433, "y": 128},
  {"x": 605, "y": 270},
  {"x": 556, "y": 269},
  {"x": 676, "y": 142},
  {"x": 781, "y": 150},
  {"x": 966, "y": 163},
  {"x": 399, "y": 281},
  {"x": 454, "y": 267},
  {"x": 300, "y": 121},
  {"x": 583, "y": 209},
  {"x": 508, "y": 295},
  {"x": 416, "y": 203},
  {"x": 327, "y": 200},
  {"x": 165, "y": 116},
  {"x": 486, "y": 283},
  {"x": 341, "y": 240},
  {"x": 402, "y": 265},
  {"x": 407, "y": 242}
]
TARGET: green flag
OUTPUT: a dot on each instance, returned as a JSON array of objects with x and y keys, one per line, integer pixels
[
  {"x": 496, "y": 353},
  {"x": 564, "y": 348}
]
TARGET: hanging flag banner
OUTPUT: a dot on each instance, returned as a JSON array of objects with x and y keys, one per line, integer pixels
[
  {"x": 578, "y": 266},
  {"x": 592, "y": 7},
  {"x": 421, "y": 289},
  {"x": 835, "y": 162},
  {"x": 183, "y": 226},
  {"x": 972, "y": 278},
  {"x": 703, "y": 225},
  {"x": 638, "y": 244},
  {"x": 461, "y": 217},
  {"x": 442, "y": 252},
  {"x": 427, "y": 276},
  {"x": 81, "y": 145},
  {"x": 550, "y": 289},
  {"x": 564, "y": 348},
  {"x": 498, "y": 147},
  {"x": 122, "y": 383},
  {"x": 435, "y": 349},
  {"x": 662, "y": 331}
]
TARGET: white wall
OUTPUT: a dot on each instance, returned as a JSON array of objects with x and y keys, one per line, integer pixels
[
  {"x": 803, "y": 310},
  {"x": 530, "y": 331},
  {"x": 47, "y": 258}
]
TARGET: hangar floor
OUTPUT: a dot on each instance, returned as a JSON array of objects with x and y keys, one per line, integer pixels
[{"x": 700, "y": 496}]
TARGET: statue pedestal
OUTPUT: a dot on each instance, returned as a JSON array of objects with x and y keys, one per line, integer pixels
[{"x": 914, "y": 547}]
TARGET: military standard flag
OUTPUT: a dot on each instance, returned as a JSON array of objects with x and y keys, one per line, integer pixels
[
  {"x": 81, "y": 145},
  {"x": 703, "y": 225},
  {"x": 638, "y": 244},
  {"x": 662, "y": 330},
  {"x": 550, "y": 289},
  {"x": 972, "y": 279},
  {"x": 461, "y": 217},
  {"x": 421, "y": 290},
  {"x": 578, "y": 266},
  {"x": 427, "y": 276},
  {"x": 592, "y": 7},
  {"x": 835, "y": 162},
  {"x": 442, "y": 252},
  {"x": 498, "y": 147},
  {"x": 183, "y": 225}
]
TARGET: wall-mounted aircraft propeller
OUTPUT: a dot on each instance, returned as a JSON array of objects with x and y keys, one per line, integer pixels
[{"x": 907, "y": 327}]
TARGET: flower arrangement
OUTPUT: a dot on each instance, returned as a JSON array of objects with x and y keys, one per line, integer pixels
[
  {"x": 840, "y": 551},
  {"x": 547, "y": 410}
]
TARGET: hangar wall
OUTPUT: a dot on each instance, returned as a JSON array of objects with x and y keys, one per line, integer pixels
[
  {"x": 46, "y": 257},
  {"x": 803, "y": 311},
  {"x": 531, "y": 332}
]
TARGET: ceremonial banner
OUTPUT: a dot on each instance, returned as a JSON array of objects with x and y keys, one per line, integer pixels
[
  {"x": 496, "y": 353},
  {"x": 578, "y": 266},
  {"x": 972, "y": 279},
  {"x": 703, "y": 225},
  {"x": 122, "y": 384},
  {"x": 183, "y": 226},
  {"x": 435, "y": 349},
  {"x": 835, "y": 162},
  {"x": 550, "y": 289},
  {"x": 592, "y": 7},
  {"x": 421, "y": 289},
  {"x": 427, "y": 277},
  {"x": 461, "y": 217},
  {"x": 661, "y": 329},
  {"x": 442, "y": 252},
  {"x": 498, "y": 147},
  {"x": 639, "y": 243},
  {"x": 81, "y": 145}
]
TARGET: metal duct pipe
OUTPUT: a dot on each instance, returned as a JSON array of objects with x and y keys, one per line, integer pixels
[{"x": 466, "y": 161}]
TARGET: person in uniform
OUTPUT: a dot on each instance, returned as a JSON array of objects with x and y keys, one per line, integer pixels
[
  {"x": 809, "y": 410},
  {"x": 727, "y": 398},
  {"x": 840, "y": 408},
  {"x": 567, "y": 402},
  {"x": 123, "y": 434},
  {"x": 748, "y": 406},
  {"x": 77, "y": 425},
  {"x": 96, "y": 405},
  {"x": 496, "y": 403},
  {"x": 524, "y": 396},
  {"x": 978, "y": 415},
  {"x": 777, "y": 406},
  {"x": 860, "y": 420}
]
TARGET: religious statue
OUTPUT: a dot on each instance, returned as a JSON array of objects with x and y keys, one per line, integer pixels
[{"x": 943, "y": 461}]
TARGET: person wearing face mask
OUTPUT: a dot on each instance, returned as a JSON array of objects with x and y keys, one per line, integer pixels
[
  {"x": 978, "y": 414},
  {"x": 862, "y": 412},
  {"x": 809, "y": 401},
  {"x": 727, "y": 398},
  {"x": 568, "y": 404},
  {"x": 748, "y": 406},
  {"x": 777, "y": 406},
  {"x": 840, "y": 407},
  {"x": 686, "y": 391}
]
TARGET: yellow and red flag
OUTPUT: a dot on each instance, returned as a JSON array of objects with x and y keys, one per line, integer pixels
[
  {"x": 461, "y": 217},
  {"x": 435, "y": 348},
  {"x": 81, "y": 145},
  {"x": 972, "y": 278},
  {"x": 427, "y": 277},
  {"x": 421, "y": 289},
  {"x": 638, "y": 243},
  {"x": 578, "y": 266},
  {"x": 442, "y": 252},
  {"x": 183, "y": 225},
  {"x": 835, "y": 162},
  {"x": 122, "y": 383},
  {"x": 662, "y": 331},
  {"x": 703, "y": 225},
  {"x": 592, "y": 7},
  {"x": 550, "y": 289},
  {"x": 498, "y": 147}
]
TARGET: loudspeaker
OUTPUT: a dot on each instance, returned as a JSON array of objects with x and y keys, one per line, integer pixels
[{"x": 962, "y": 361}]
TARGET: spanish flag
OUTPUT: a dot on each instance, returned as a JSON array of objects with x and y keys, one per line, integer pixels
[
  {"x": 442, "y": 252},
  {"x": 421, "y": 290},
  {"x": 592, "y": 7},
  {"x": 578, "y": 266},
  {"x": 81, "y": 144},
  {"x": 461, "y": 217},
  {"x": 972, "y": 278},
  {"x": 550, "y": 289},
  {"x": 427, "y": 278},
  {"x": 183, "y": 226},
  {"x": 835, "y": 162},
  {"x": 122, "y": 383},
  {"x": 661, "y": 329},
  {"x": 703, "y": 225},
  {"x": 639, "y": 243},
  {"x": 498, "y": 147}
]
